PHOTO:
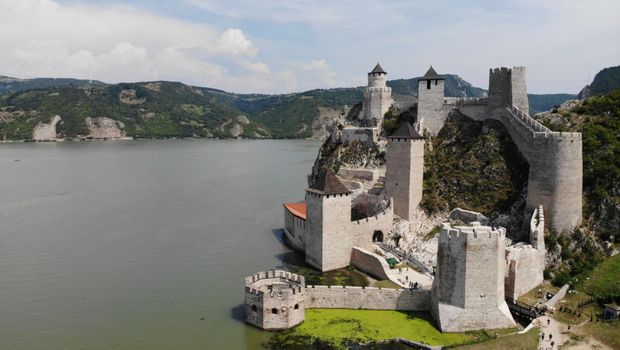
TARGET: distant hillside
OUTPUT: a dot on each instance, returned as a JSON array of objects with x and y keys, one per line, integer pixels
[
  {"x": 606, "y": 81},
  {"x": 8, "y": 84},
  {"x": 543, "y": 103},
  {"x": 167, "y": 109}
]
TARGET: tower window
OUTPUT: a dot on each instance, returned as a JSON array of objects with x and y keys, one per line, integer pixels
[
  {"x": 436, "y": 82},
  {"x": 274, "y": 311},
  {"x": 254, "y": 308},
  {"x": 428, "y": 85},
  {"x": 296, "y": 306}
]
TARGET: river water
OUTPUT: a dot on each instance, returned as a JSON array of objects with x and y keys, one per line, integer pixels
[{"x": 140, "y": 244}]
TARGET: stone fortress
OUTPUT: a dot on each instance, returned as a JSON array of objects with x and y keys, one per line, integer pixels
[{"x": 475, "y": 272}]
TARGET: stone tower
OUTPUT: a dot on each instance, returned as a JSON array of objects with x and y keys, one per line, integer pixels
[
  {"x": 507, "y": 88},
  {"x": 274, "y": 299},
  {"x": 431, "y": 109},
  {"x": 468, "y": 289},
  {"x": 405, "y": 169},
  {"x": 377, "y": 98},
  {"x": 328, "y": 219}
]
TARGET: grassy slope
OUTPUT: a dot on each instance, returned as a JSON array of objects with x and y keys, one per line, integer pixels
[
  {"x": 337, "y": 326},
  {"x": 527, "y": 341}
]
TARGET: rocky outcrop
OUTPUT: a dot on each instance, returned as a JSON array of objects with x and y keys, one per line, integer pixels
[
  {"x": 129, "y": 97},
  {"x": 236, "y": 130},
  {"x": 104, "y": 128},
  {"x": 46, "y": 131}
]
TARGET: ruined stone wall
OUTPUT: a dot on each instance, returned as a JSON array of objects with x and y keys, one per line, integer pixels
[
  {"x": 404, "y": 175},
  {"x": 368, "y": 136},
  {"x": 368, "y": 298},
  {"x": 432, "y": 112}
]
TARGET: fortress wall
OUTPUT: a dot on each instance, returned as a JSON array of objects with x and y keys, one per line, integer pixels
[
  {"x": 370, "y": 263},
  {"x": 365, "y": 135},
  {"x": 525, "y": 266},
  {"x": 377, "y": 101},
  {"x": 432, "y": 111},
  {"x": 556, "y": 179},
  {"x": 484, "y": 252},
  {"x": 314, "y": 228},
  {"x": 337, "y": 238},
  {"x": 404, "y": 175},
  {"x": 362, "y": 230},
  {"x": 369, "y": 298},
  {"x": 449, "y": 282},
  {"x": 294, "y": 230}
]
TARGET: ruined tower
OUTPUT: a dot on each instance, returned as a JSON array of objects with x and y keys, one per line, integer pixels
[
  {"x": 377, "y": 98},
  {"x": 405, "y": 169},
  {"x": 468, "y": 289},
  {"x": 328, "y": 244},
  {"x": 431, "y": 109}
]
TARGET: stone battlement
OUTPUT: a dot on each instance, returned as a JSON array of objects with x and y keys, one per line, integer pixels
[
  {"x": 387, "y": 211},
  {"x": 385, "y": 89},
  {"x": 469, "y": 101},
  {"x": 528, "y": 121},
  {"x": 274, "y": 274},
  {"x": 555, "y": 136},
  {"x": 471, "y": 234},
  {"x": 505, "y": 70}
]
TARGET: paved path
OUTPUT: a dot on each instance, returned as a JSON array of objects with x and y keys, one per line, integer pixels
[{"x": 561, "y": 335}]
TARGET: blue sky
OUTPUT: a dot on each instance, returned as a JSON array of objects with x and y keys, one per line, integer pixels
[{"x": 296, "y": 45}]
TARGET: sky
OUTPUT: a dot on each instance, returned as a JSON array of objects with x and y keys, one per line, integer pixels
[{"x": 269, "y": 46}]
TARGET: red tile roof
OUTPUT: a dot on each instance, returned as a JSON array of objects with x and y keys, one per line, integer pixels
[{"x": 297, "y": 209}]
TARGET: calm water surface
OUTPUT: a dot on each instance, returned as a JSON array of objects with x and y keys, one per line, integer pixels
[{"x": 127, "y": 245}]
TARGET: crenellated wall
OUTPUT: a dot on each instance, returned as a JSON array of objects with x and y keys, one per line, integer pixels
[{"x": 368, "y": 298}]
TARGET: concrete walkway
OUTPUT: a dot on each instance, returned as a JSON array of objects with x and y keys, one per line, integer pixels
[{"x": 408, "y": 275}]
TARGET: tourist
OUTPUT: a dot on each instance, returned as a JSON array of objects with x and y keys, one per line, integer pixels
[
  {"x": 543, "y": 336},
  {"x": 548, "y": 321},
  {"x": 550, "y": 336}
]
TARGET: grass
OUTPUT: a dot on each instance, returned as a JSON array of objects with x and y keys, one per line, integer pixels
[
  {"x": 606, "y": 332},
  {"x": 572, "y": 313},
  {"x": 531, "y": 297},
  {"x": 603, "y": 282},
  {"x": 525, "y": 341},
  {"x": 336, "y": 328},
  {"x": 386, "y": 284}
]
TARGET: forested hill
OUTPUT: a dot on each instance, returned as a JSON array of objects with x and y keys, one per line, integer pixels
[{"x": 168, "y": 109}]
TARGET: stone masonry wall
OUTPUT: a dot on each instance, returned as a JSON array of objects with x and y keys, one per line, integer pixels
[
  {"x": 468, "y": 289},
  {"x": 361, "y": 231},
  {"x": 404, "y": 175},
  {"x": 369, "y": 298},
  {"x": 432, "y": 112},
  {"x": 367, "y": 136},
  {"x": 370, "y": 263}
]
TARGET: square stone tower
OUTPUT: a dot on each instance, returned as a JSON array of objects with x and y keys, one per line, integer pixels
[
  {"x": 328, "y": 222},
  {"x": 432, "y": 111},
  {"x": 507, "y": 88},
  {"x": 405, "y": 169},
  {"x": 468, "y": 289},
  {"x": 377, "y": 98}
]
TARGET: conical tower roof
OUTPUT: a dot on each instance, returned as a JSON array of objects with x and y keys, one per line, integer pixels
[
  {"x": 378, "y": 69},
  {"x": 329, "y": 184},
  {"x": 405, "y": 131},
  {"x": 431, "y": 75}
]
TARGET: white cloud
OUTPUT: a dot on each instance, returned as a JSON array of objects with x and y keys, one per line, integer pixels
[
  {"x": 321, "y": 70},
  {"x": 42, "y": 38}
]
